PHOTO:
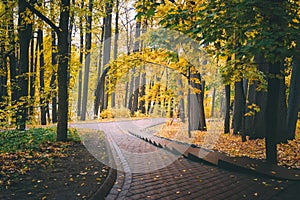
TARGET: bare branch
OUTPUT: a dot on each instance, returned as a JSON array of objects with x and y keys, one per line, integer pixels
[{"x": 41, "y": 16}]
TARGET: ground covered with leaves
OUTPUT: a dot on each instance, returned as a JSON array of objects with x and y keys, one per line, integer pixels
[
  {"x": 232, "y": 145},
  {"x": 34, "y": 166}
]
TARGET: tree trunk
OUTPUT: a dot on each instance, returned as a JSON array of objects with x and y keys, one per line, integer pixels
[
  {"x": 99, "y": 94},
  {"x": 181, "y": 101},
  {"x": 282, "y": 110},
  {"x": 135, "y": 101},
  {"x": 88, "y": 45},
  {"x": 250, "y": 113},
  {"x": 79, "y": 102},
  {"x": 142, "y": 106},
  {"x": 197, "y": 121},
  {"x": 272, "y": 112},
  {"x": 212, "y": 113},
  {"x": 137, "y": 77},
  {"x": 200, "y": 97},
  {"x": 227, "y": 109},
  {"x": 276, "y": 24},
  {"x": 101, "y": 97},
  {"x": 42, "y": 82},
  {"x": 259, "y": 128},
  {"x": 294, "y": 98},
  {"x": 143, "y": 93},
  {"x": 3, "y": 75},
  {"x": 12, "y": 55},
  {"x": 101, "y": 50},
  {"x": 126, "y": 93},
  {"x": 71, "y": 25},
  {"x": 222, "y": 107},
  {"x": 239, "y": 107},
  {"x": 32, "y": 73},
  {"x": 113, "y": 95},
  {"x": 25, "y": 33},
  {"x": 131, "y": 88},
  {"x": 107, "y": 45},
  {"x": 63, "y": 60},
  {"x": 53, "y": 84}
]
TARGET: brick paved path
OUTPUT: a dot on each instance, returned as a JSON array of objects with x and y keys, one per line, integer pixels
[{"x": 148, "y": 172}]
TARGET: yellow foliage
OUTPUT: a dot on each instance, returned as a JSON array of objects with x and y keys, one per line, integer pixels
[{"x": 106, "y": 114}]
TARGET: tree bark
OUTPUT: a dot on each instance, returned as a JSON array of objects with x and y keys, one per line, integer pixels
[
  {"x": 126, "y": 93},
  {"x": 181, "y": 101},
  {"x": 227, "y": 109},
  {"x": 272, "y": 112},
  {"x": 11, "y": 52},
  {"x": 107, "y": 45},
  {"x": 249, "y": 119},
  {"x": 282, "y": 110},
  {"x": 32, "y": 72},
  {"x": 53, "y": 81},
  {"x": 99, "y": 94},
  {"x": 25, "y": 33},
  {"x": 79, "y": 97},
  {"x": 63, "y": 60},
  {"x": 137, "y": 77},
  {"x": 101, "y": 50},
  {"x": 113, "y": 95},
  {"x": 212, "y": 113},
  {"x": 42, "y": 82},
  {"x": 197, "y": 121},
  {"x": 294, "y": 98},
  {"x": 259, "y": 123},
  {"x": 142, "y": 107},
  {"x": 88, "y": 45},
  {"x": 239, "y": 107},
  {"x": 131, "y": 88}
]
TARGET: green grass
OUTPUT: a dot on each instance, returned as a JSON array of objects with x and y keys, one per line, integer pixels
[{"x": 15, "y": 140}]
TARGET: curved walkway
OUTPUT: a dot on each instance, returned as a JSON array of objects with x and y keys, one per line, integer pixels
[{"x": 149, "y": 172}]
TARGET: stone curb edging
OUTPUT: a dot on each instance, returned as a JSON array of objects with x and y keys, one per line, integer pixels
[
  {"x": 125, "y": 172},
  {"x": 241, "y": 164},
  {"x": 105, "y": 188}
]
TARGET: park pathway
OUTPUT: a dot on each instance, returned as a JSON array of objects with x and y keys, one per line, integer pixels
[{"x": 148, "y": 172}]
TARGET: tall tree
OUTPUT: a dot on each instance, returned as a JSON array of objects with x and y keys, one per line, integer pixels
[
  {"x": 63, "y": 62},
  {"x": 24, "y": 35},
  {"x": 79, "y": 103},
  {"x": 62, "y": 32},
  {"x": 142, "y": 105},
  {"x": 107, "y": 44},
  {"x": 239, "y": 106},
  {"x": 181, "y": 101},
  {"x": 53, "y": 84},
  {"x": 227, "y": 109},
  {"x": 42, "y": 74},
  {"x": 113, "y": 95},
  {"x": 53, "y": 81},
  {"x": 294, "y": 97},
  {"x": 88, "y": 45},
  {"x": 101, "y": 96},
  {"x": 136, "y": 76},
  {"x": 197, "y": 121}
]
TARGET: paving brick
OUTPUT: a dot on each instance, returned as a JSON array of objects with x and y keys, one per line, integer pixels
[{"x": 185, "y": 179}]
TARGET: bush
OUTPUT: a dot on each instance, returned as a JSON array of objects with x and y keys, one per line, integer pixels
[
  {"x": 115, "y": 113},
  {"x": 106, "y": 114}
]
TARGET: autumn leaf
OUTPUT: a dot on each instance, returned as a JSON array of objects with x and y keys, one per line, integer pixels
[{"x": 232, "y": 145}]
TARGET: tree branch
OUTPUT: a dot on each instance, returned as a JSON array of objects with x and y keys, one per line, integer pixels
[{"x": 41, "y": 16}]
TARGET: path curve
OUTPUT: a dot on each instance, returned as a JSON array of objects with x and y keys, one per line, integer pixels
[{"x": 179, "y": 178}]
